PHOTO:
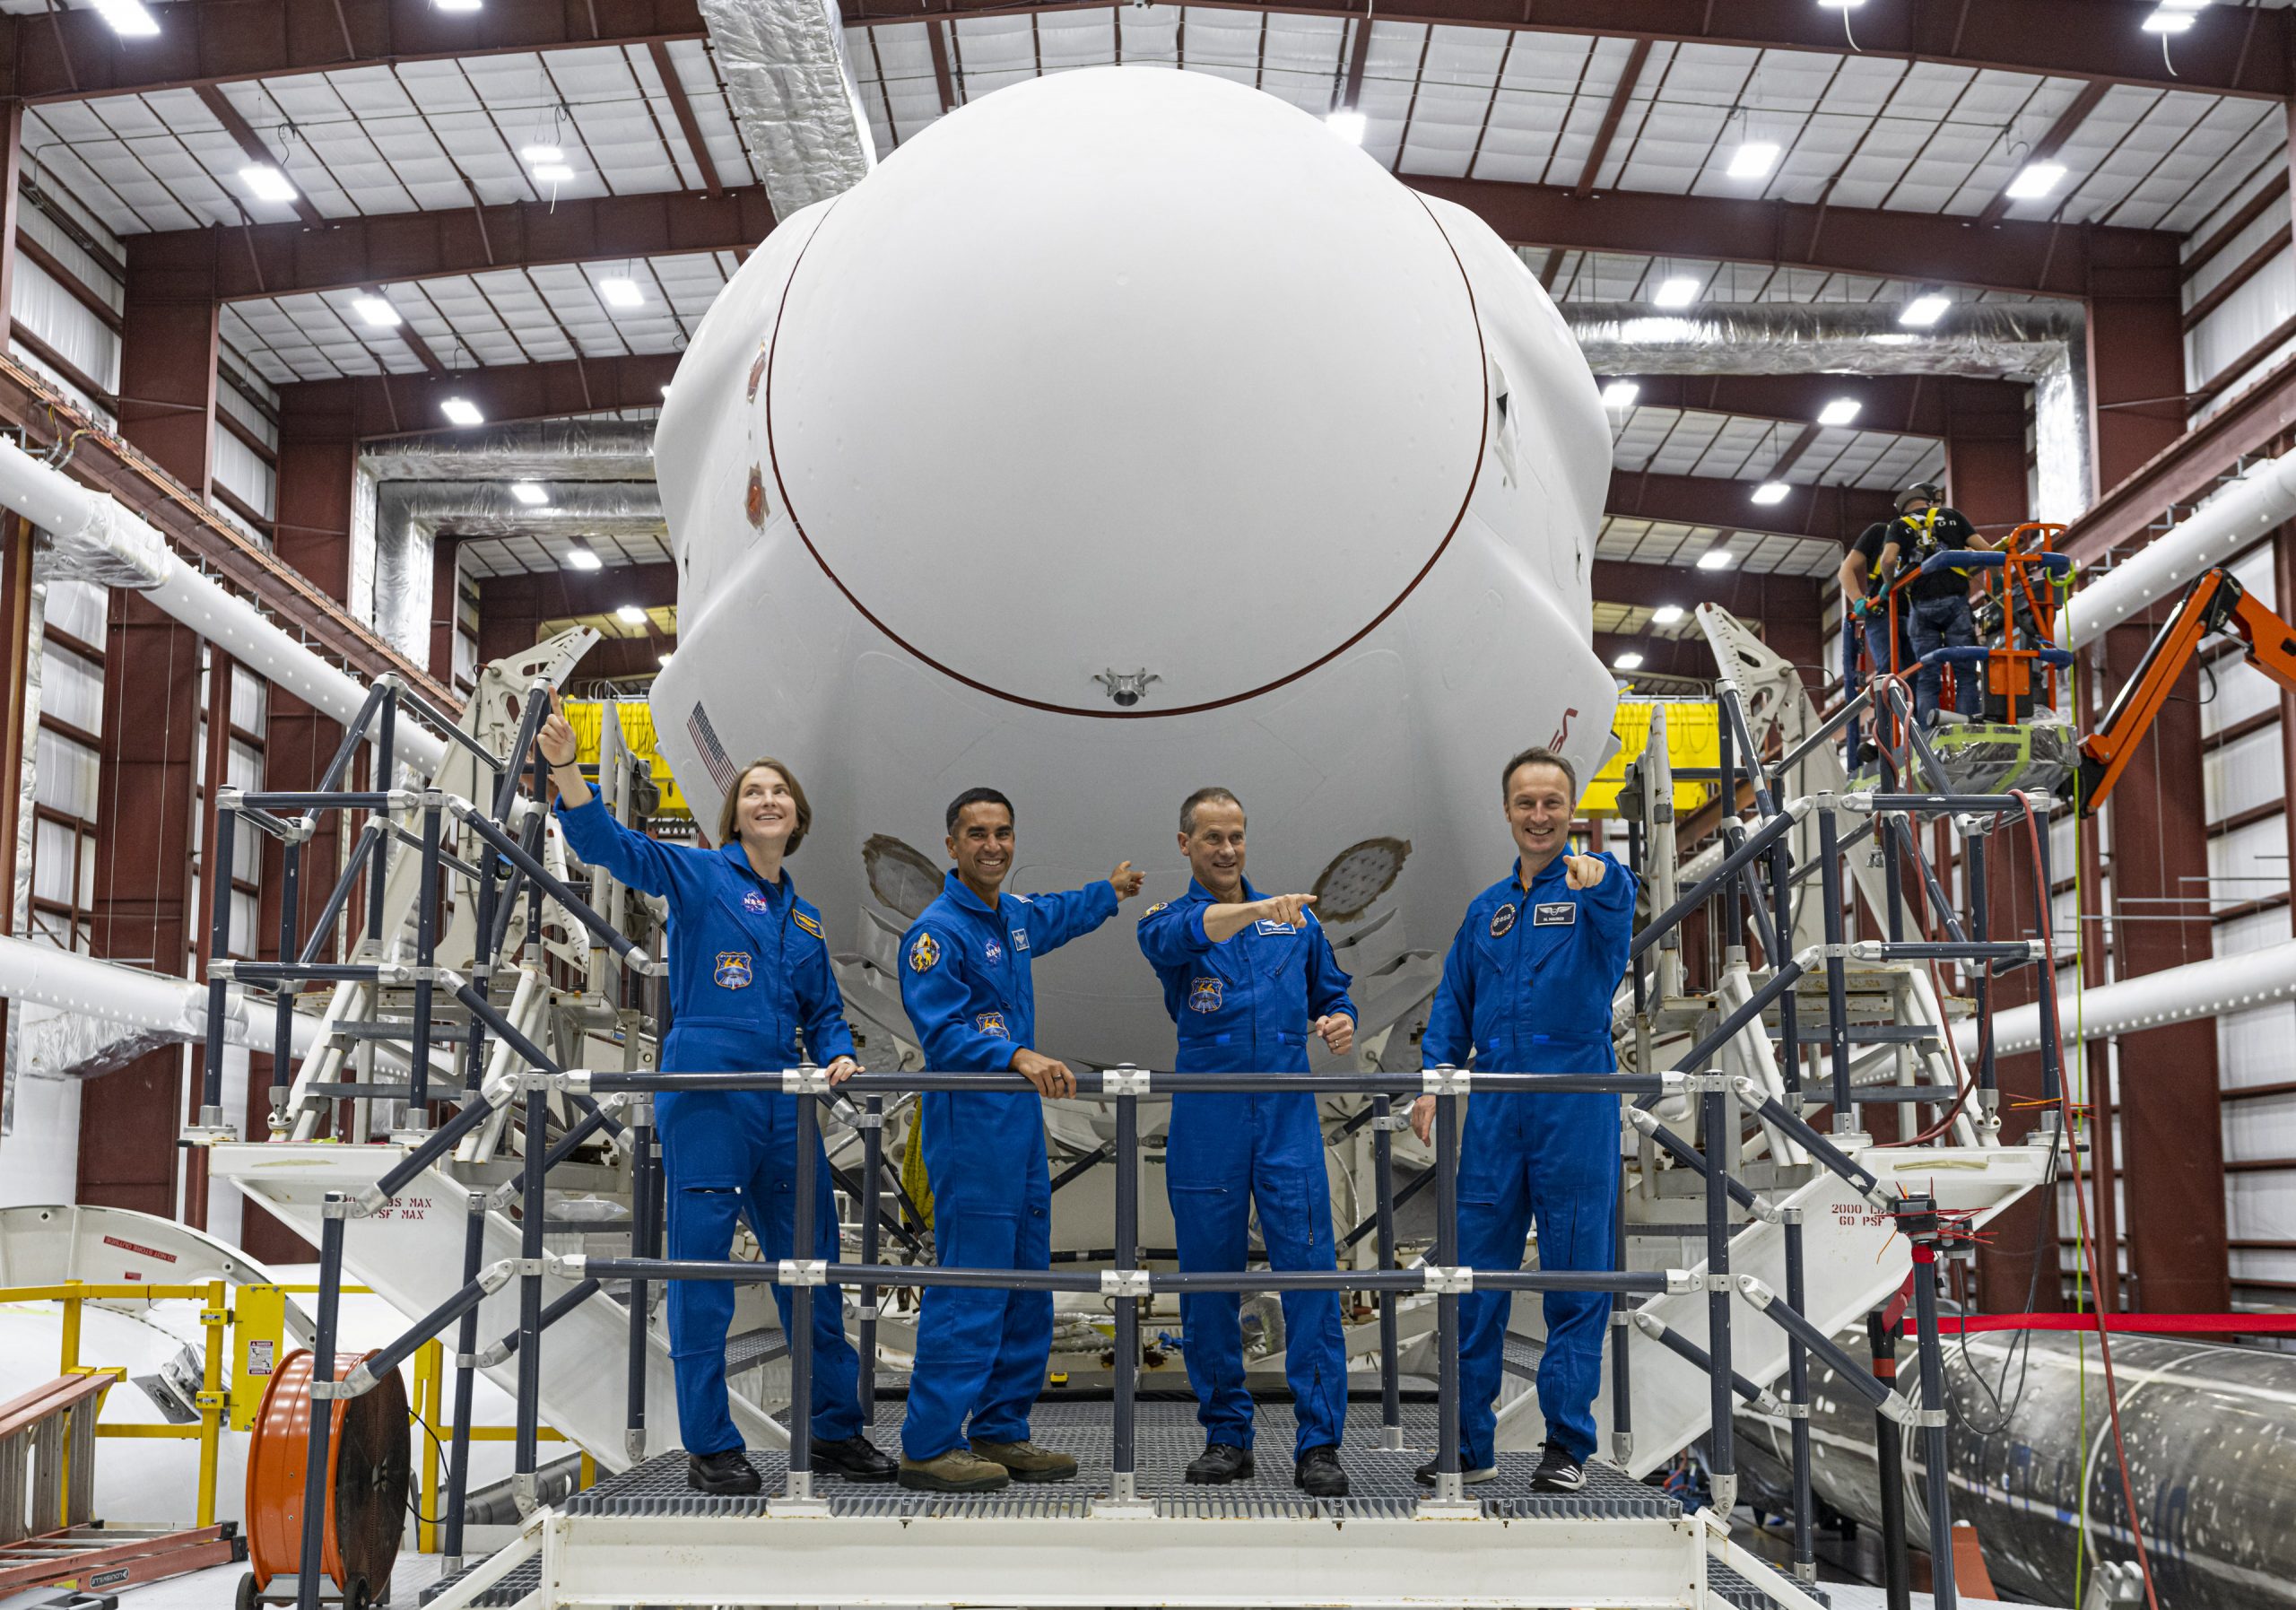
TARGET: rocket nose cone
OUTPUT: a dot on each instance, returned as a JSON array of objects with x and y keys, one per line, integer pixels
[{"x": 1126, "y": 371}]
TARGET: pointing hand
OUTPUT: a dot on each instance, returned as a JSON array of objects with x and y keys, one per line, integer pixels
[
  {"x": 1126, "y": 880},
  {"x": 1290, "y": 910},
  {"x": 556, "y": 739},
  {"x": 1583, "y": 872}
]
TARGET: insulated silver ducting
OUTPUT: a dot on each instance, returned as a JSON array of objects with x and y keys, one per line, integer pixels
[
  {"x": 567, "y": 449},
  {"x": 409, "y": 516},
  {"x": 792, "y": 94},
  {"x": 2043, "y": 342}
]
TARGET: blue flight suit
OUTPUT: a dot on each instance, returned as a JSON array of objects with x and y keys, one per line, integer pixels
[
  {"x": 749, "y": 973},
  {"x": 1527, "y": 989},
  {"x": 964, "y": 980},
  {"x": 1245, "y": 1004}
]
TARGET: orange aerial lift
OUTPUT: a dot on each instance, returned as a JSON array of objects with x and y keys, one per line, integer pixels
[{"x": 2215, "y": 602}]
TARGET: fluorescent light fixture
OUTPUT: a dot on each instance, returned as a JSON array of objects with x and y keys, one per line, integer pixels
[
  {"x": 621, "y": 293},
  {"x": 1753, "y": 160},
  {"x": 1893, "y": 338},
  {"x": 666, "y": 393},
  {"x": 1677, "y": 293},
  {"x": 1714, "y": 559},
  {"x": 1628, "y": 661},
  {"x": 1348, "y": 125},
  {"x": 128, "y": 19},
  {"x": 2035, "y": 180},
  {"x": 461, "y": 411},
  {"x": 527, "y": 492},
  {"x": 1840, "y": 4},
  {"x": 553, "y": 173},
  {"x": 266, "y": 183},
  {"x": 1620, "y": 394},
  {"x": 1665, "y": 614},
  {"x": 2165, "y": 21},
  {"x": 457, "y": 4},
  {"x": 1923, "y": 311},
  {"x": 664, "y": 661},
  {"x": 1771, "y": 492},
  {"x": 375, "y": 311},
  {"x": 629, "y": 614},
  {"x": 1839, "y": 412},
  {"x": 533, "y": 154},
  {"x": 583, "y": 559}
]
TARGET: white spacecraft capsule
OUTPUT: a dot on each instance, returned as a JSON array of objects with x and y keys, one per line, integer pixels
[{"x": 1126, "y": 432}]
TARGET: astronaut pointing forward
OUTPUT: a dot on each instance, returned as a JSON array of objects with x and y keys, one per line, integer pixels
[{"x": 1248, "y": 979}]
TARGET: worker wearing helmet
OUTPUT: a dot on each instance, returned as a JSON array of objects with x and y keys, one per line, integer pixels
[
  {"x": 1527, "y": 989},
  {"x": 967, "y": 985},
  {"x": 1865, "y": 611},
  {"x": 1249, "y": 980},
  {"x": 751, "y": 990},
  {"x": 1936, "y": 608}
]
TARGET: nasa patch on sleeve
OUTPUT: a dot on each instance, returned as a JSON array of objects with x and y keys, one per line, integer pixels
[{"x": 1555, "y": 914}]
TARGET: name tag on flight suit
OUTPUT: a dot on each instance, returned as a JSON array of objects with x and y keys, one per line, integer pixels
[{"x": 1555, "y": 914}]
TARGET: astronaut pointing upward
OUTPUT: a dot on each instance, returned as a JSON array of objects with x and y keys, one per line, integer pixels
[{"x": 1248, "y": 980}]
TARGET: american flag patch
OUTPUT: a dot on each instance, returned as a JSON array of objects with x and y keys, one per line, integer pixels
[{"x": 713, "y": 752}]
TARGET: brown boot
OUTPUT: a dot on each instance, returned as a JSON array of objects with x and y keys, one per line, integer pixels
[
  {"x": 1027, "y": 1462},
  {"x": 958, "y": 1470}
]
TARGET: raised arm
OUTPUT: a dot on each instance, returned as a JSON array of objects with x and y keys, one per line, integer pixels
[{"x": 643, "y": 864}]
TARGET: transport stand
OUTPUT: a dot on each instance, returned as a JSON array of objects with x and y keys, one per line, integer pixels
[{"x": 639, "y": 1536}]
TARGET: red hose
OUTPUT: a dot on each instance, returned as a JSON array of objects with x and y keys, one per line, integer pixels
[{"x": 2081, "y": 1201}]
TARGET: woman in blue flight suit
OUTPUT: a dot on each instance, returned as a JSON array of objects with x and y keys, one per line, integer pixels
[
  {"x": 1527, "y": 989},
  {"x": 751, "y": 989}
]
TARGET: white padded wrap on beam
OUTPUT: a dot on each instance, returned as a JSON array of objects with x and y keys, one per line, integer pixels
[{"x": 793, "y": 93}]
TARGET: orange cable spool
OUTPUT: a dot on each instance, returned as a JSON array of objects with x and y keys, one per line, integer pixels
[{"x": 367, "y": 1476}]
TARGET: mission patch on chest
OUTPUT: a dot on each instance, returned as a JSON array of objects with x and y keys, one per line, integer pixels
[
  {"x": 1203, "y": 995},
  {"x": 1555, "y": 914},
  {"x": 733, "y": 970}
]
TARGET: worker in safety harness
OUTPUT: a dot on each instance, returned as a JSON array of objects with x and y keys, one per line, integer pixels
[
  {"x": 750, "y": 991},
  {"x": 1248, "y": 979},
  {"x": 982, "y": 1351},
  {"x": 1865, "y": 619},
  {"x": 1936, "y": 608},
  {"x": 1527, "y": 989}
]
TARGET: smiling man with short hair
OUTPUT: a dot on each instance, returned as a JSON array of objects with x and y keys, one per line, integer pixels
[
  {"x": 1250, "y": 979},
  {"x": 1527, "y": 989}
]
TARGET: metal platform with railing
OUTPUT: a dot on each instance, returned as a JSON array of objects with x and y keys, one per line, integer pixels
[{"x": 1735, "y": 1309}]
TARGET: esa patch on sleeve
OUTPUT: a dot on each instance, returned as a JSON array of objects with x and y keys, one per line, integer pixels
[{"x": 1555, "y": 914}]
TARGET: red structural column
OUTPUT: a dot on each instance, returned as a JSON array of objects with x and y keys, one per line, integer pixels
[
  {"x": 445, "y": 607},
  {"x": 1985, "y": 454},
  {"x": 2172, "y": 1143},
  {"x": 2136, "y": 369},
  {"x": 129, "y": 1119}
]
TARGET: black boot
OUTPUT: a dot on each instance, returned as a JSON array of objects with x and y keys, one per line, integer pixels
[
  {"x": 1320, "y": 1474},
  {"x": 1218, "y": 1465},
  {"x": 728, "y": 1471},
  {"x": 856, "y": 1458}
]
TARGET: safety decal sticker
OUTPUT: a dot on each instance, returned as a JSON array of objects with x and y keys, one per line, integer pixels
[
  {"x": 1555, "y": 914},
  {"x": 751, "y": 901},
  {"x": 1502, "y": 919},
  {"x": 1203, "y": 995},
  {"x": 808, "y": 924},
  {"x": 1019, "y": 939},
  {"x": 732, "y": 969},
  {"x": 991, "y": 951},
  {"x": 925, "y": 953},
  {"x": 991, "y": 1022}
]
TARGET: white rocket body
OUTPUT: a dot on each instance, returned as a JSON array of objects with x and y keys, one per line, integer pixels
[{"x": 1122, "y": 374}]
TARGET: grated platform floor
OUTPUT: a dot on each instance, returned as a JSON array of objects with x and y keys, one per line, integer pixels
[{"x": 1167, "y": 1438}]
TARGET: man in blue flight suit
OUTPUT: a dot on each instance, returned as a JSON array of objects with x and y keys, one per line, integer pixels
[
  {"x": 750, "y": 991},
  {"x": 1247, "y": 978},
  {"x": 1527, "y": 989},
  {"x": 982, "y": 1352}
]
